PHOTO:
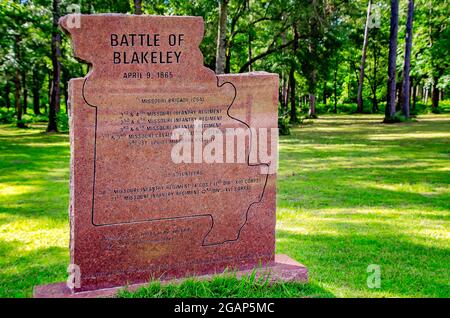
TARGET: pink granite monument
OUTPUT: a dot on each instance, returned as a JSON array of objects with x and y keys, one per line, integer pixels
[{"x": 156, "y": 190}]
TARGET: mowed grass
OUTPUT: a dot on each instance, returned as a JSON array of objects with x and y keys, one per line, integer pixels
[
  {"x": 351, "y": 192},
  {"x": 354, "y": 192},
  {"x": 34, "y": 223}
]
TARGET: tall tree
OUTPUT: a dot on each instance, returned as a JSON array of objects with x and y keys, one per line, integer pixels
[
  {"x": 17, "y": 87},
  {"x": 405, "y": 101},
  {"x": 292, "y": 98},
  {"x": 360, "y": 106},
  {"x": 435, "y": 94},
  {"x": 221, "y": 37},
  {"x": 309, "y": 61},
  {"x": 36, "y": 88},
  {"x": 335, "y": 87},
  {"x": 56, "y": 53},
  {"x": 292, "y": 82},
  {"x": 25, "y": 91},
  {"x": 7, "y": 98},
  {"x": 17, "y": 103},
  {"x": 390, "y": 105}
]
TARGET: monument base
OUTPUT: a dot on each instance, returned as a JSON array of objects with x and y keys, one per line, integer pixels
[{"x": 285, "y": 269}]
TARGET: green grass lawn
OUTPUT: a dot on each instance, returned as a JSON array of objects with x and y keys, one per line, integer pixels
[{"x": 351, "y": 192}]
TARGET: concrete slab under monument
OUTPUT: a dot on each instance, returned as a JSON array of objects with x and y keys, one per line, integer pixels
[{"x": 284, "y": 269}]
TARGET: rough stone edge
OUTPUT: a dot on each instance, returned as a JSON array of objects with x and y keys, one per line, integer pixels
[{"x": 285, "y": 269}]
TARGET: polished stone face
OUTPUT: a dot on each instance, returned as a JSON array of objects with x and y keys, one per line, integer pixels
[{"x": 136, "y": 212}]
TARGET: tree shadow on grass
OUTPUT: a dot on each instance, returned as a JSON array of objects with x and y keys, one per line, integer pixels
[
  {"x": 34, "y": 173},
  {"x": 21, "y": 270},
  {"x": 358, "y": 192},
  {"x": 343, "y": 130},
  {"x": 32, "y": 153},
  {"x": 341, "y": 261}
]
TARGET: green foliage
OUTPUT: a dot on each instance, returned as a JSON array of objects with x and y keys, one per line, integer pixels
[
  {"x": 348, "y": 108},
  {"x": 325, "y": 54},
  {"x": 62, "y": 121},
  {"x": 283, "y": 126},
  {"x": 7, "y": 117},
  {"x": 444, "y": 106}
]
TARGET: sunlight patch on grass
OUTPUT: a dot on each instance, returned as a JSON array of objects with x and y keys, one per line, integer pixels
[
  {"x": 345, "y": 201},
  {"x": 415, "y": 136},
  {"x": 35, "y": 233},
  {"x": 422, "y": 188},
  {"x": 14, "y": 189}
]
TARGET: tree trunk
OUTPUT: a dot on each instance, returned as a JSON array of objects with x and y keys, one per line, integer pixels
[
  {"x": 36, "y": 97},
  {"x": 49, "y": 90},
  {"x": 399, "y": 94},
  {"x": 250, "y": 32},
  {"x": 349, "y": 83},
  {"x": 407, "y": 65},
  {"x": 17, "y": 103},
  {"x": 250, "y": 54},
  {"x": 374, "y": 97},
  {"x": 56, "y": 53},
  {"x": 435, "y": 97},
  {"x": 312, "y": 67},
  {"x": 374, "y": 100},
  {"x": 36, "y": 88},
  {"x": 335, "y": 89},
  {"x": 375, "y": 79},
  {"x": 324, "y": 93},
  {"x": 66, "y": 95},
  {"x": 414, "y": 97},
  {"x": 390, "y": 105},
  {"x": 360, "y": 107},
  {"x": 7, "y": 97},
  {"x": 25, "y": 93},
  {"x": 312, "y": 88},
  {"x": 292, "y": 82},
  {"x": 312, "y": 106},
  {"x": 65, "y": 77},
  {"x": 227, "y": 60},
  {"x": 137, "y": 7},
  {"x": 25, "y": 99},
  {"x": 284, "y": 84},
  {"x": 221, "y": 37},
  {"x": 284, "y": 92},
  {"x": 293, "y": 119},
  {"x": 286, "y": 98}
]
